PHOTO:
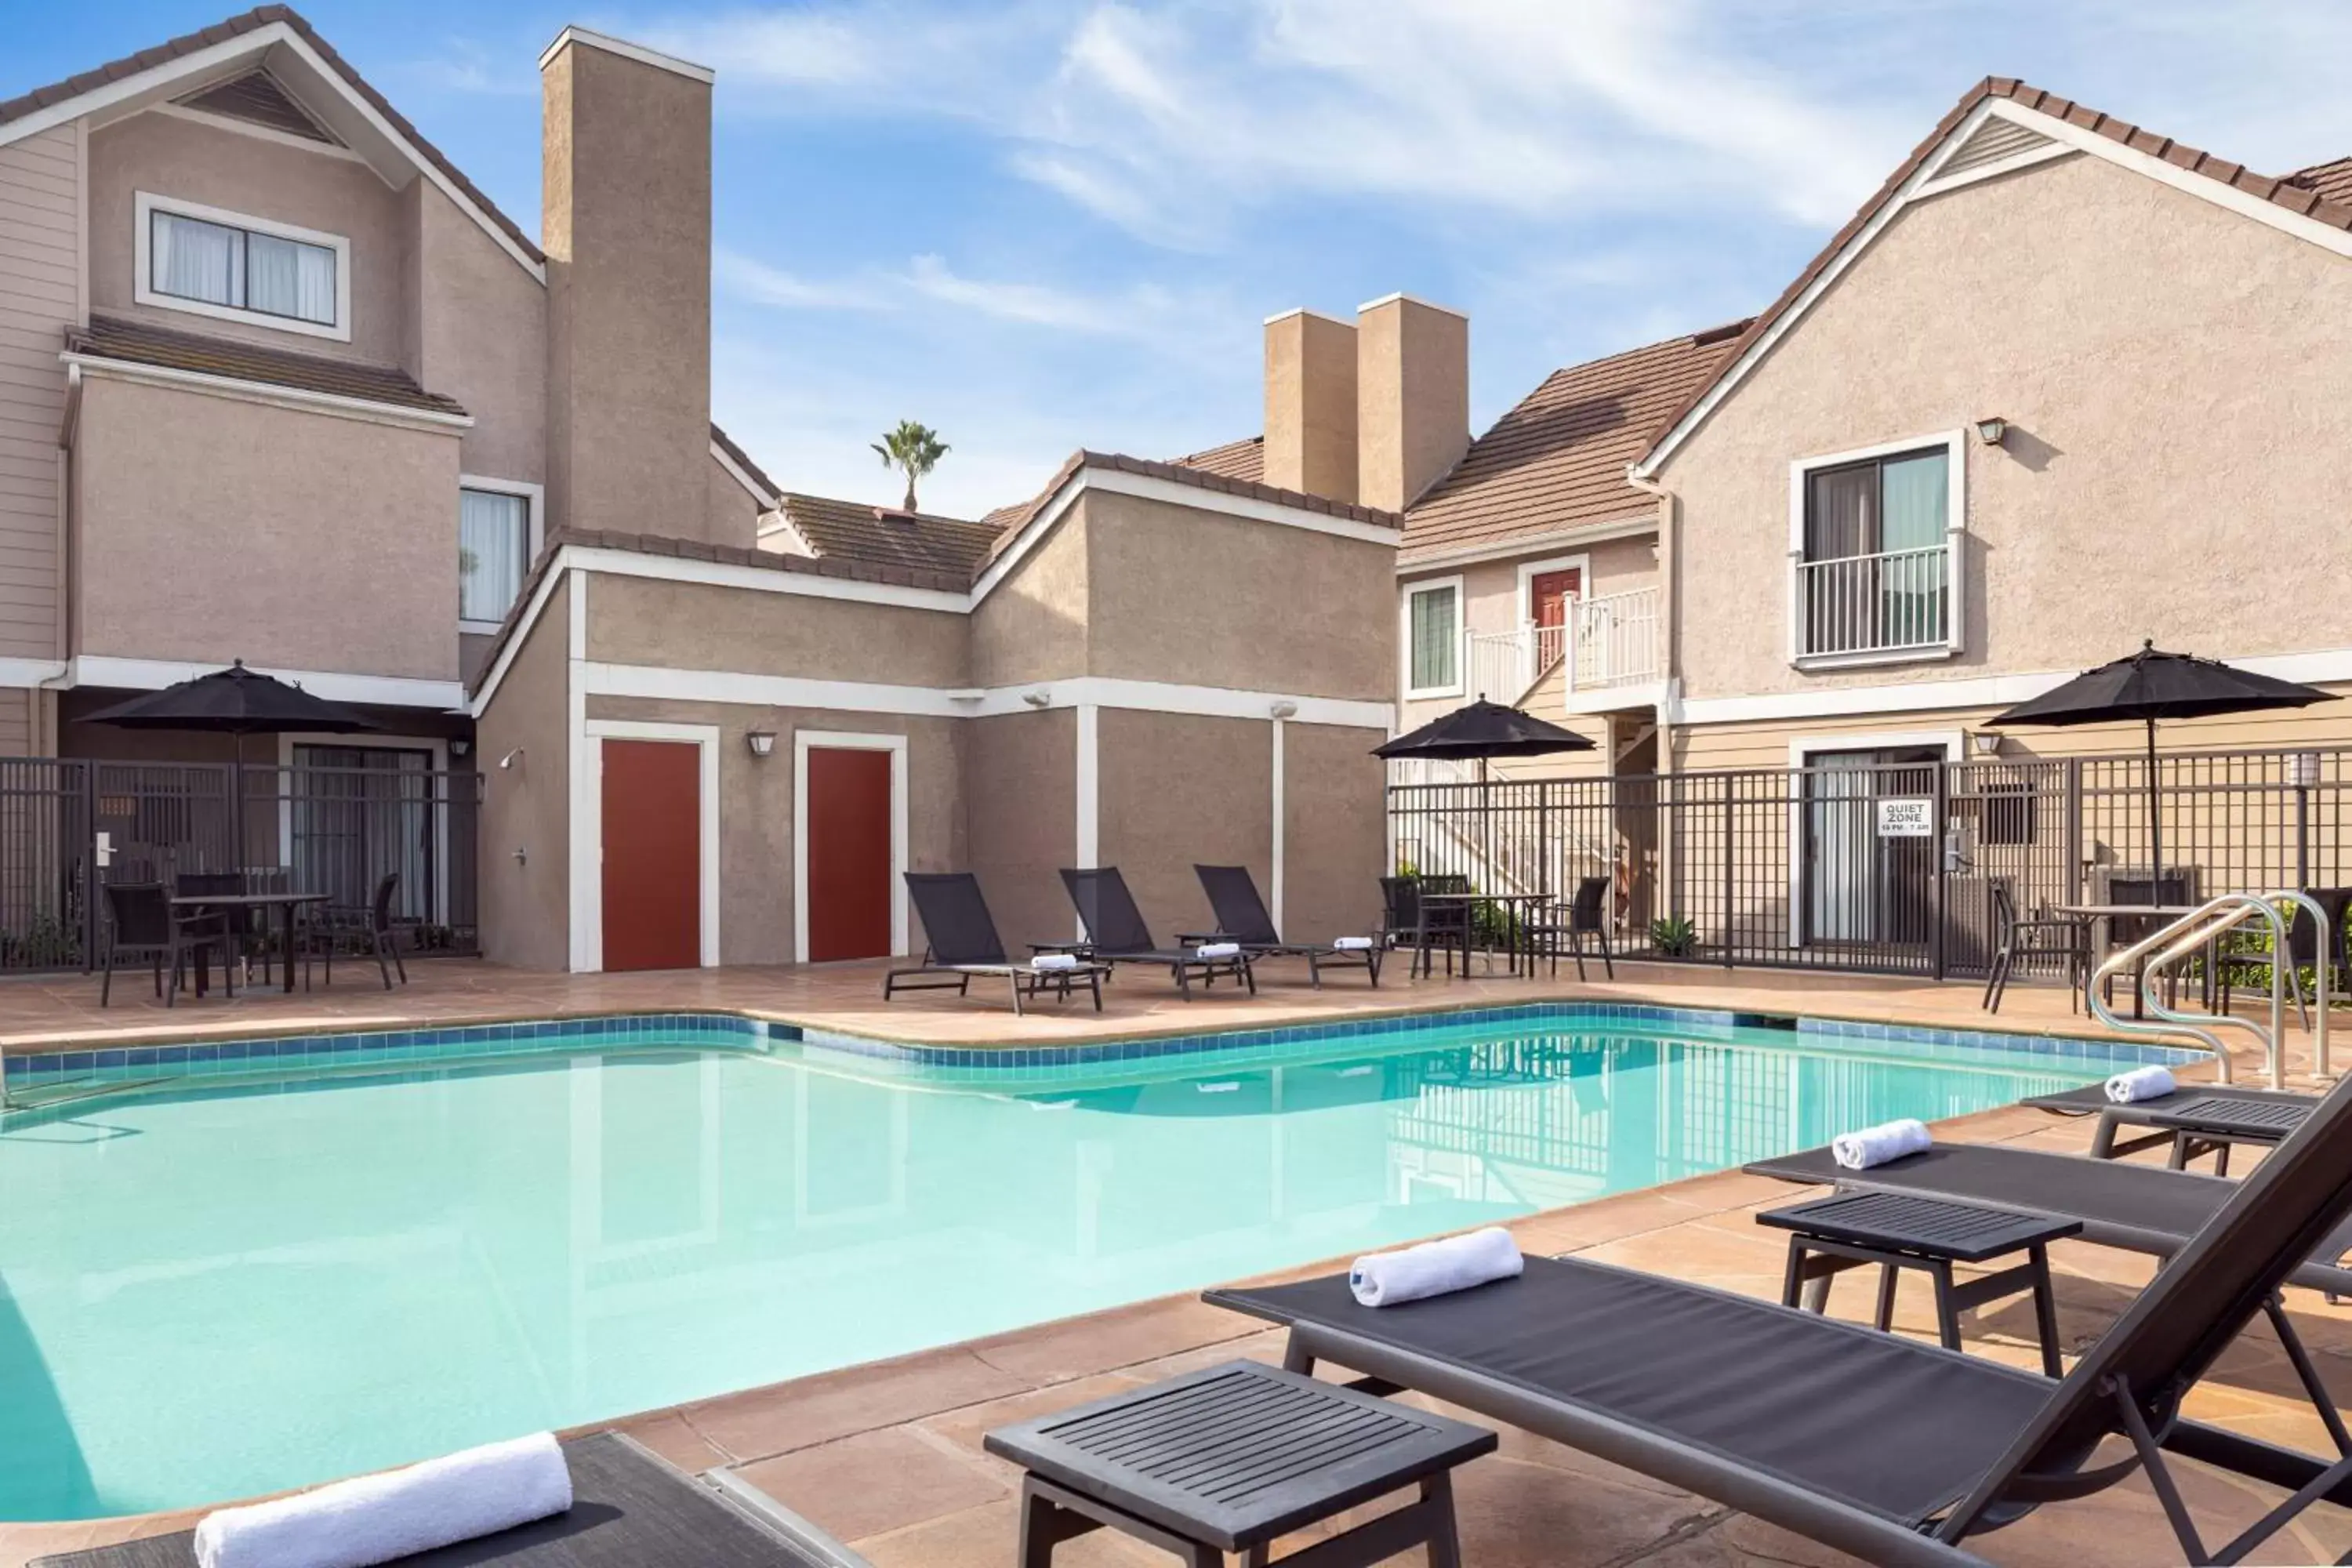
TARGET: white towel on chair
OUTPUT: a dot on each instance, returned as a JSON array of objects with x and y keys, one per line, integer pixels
[
  {"x": 1218, "y": 949},
  {"x": 376, "y": 1519},
  {"x": 1050, "y": 961},
  {"x": 1351, "y": 943},
  {"x": 1436, "y": 1268},
  {"x": 2140, "y": 1083},
  {"x": 1876, "y": 1145}
]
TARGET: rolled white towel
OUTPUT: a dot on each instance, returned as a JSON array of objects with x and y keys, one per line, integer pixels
[
  {"x": 1876, "y": 1145},
  {"x": 1436, "y": 1268},
  {"x": 1218, "y": 949},
  {"x": 1053, "y": 961},
  {"x": 2140, "y": 1083},
  {"x": 375, "y": 1519},
  {"x": 1351, "y": 943}
]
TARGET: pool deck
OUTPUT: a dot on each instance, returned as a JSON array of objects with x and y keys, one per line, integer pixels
[{"x": 886, "y": 1456}]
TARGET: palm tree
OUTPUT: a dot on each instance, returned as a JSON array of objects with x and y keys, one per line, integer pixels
[{"x": 914, "y": 450}]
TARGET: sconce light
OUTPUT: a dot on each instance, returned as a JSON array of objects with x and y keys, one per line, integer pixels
[
  {"x": 1985, "y": 743},
  {"x": 2302, "y": 769},
  {"x": 509, "y": 759},
  {"x": 1284, "y": 709},
  {"x": 460, "y": 746},
  {"x": 1992, "y": 432},
  {"x": 761, "y": 742},
  {"x": 1037, "y": 699}
]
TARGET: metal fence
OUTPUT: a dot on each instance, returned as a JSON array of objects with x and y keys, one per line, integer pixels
[
  {"x": 1884, "y": 866},
  {"x": 70, "y": 826}
]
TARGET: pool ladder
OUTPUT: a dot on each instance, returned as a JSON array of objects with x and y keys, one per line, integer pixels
[{"x": 2155, "y": 955}]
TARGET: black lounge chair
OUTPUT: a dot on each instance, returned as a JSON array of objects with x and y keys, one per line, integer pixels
[
  {"x": 2195, "y": 1118},
  {"x": 1891, "y": 1450},
  {"x": 1242, "y": 916},
  {"x": 627, "y": 1507},
  {"x": 1115, "y": 933},
  {"x": 963, "y": 944}
]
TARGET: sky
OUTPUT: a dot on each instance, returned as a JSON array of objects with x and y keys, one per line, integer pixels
[{"x": 1037, "y": 224}]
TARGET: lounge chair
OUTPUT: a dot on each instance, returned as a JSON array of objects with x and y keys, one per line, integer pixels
[
  {"x": 1116, "y": 933},
  {"x": 1242, "y": 916},
  {"x": 963, "y": 945},
  {"x": 2195, "y": 1118},
  {"x": 628, "y": 1505},
  {"x": 1891, "y": 1450}
]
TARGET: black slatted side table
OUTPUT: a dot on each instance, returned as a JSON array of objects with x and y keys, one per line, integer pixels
[
  {"x": 1903, "y": 1230},
  {"x": 2215, "y": 1123},
  {"x": 1231, "y": 1459}
]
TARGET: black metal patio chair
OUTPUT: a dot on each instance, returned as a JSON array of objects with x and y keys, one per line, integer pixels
[
  {"x": 142, "y": 923},
  {"x": 1423, "y": 926},
  {"x": 1588, "y": 919},
  {"x": 2043, "y": 936},
  {"x": 357, "y": 931}
]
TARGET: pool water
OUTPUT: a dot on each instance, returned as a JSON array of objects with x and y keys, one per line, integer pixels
[{"x": 213, "y": 1290}]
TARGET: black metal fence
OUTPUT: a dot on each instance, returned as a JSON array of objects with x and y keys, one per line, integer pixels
[
  {"x": 1886, "y": 866},
  {"x": 70, "y": 826}
]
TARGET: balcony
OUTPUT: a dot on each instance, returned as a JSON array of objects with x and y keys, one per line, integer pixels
[
  {"x": 1896, "y": 602},
  {"x": 1611, "y": 640}
]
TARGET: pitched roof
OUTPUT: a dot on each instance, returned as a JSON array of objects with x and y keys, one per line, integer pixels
[
  {"x": 2332, "y": 207},
  {"x": 137, "y": 342},
  {"x": 261, "y": 17},
  {"x": 1559, "y": 458},
  {"x": 743, "y": 459},
  {"x": 2331, "y": 182},
  {"x": 1242, "y": 459},
  {"x": 845, "y": 531}
]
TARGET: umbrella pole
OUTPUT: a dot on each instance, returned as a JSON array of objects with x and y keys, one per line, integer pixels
[{"x": 2154, "y": 824}]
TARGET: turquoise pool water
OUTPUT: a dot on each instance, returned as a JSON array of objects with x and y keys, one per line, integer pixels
[{"x": 214, "y": 1289}]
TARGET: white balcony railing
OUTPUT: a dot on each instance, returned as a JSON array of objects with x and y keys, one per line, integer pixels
[
  {"x": 1887, "y": 603},
  {"x": 1609, "y": 640}
]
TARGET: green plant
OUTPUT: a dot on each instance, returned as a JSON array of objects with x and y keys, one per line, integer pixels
[
  {"x": 914, "y": 450},
  {"x": 1674, "y": 936},
  {"x": 45, "y": 944}
]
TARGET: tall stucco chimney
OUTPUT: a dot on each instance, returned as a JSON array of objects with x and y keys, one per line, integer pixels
[
  {"x": 1413, "y": 390},
  {"x": 626, "y": 228},
  {"x": 1310, "y": 404}
]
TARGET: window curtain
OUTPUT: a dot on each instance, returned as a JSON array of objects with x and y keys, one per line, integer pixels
[
  {"x": 1911, "y": 588},
  {"x": 1436, "y": 641},
  {"x": 1838, "y": 507},
  {"x": 193, "y": 259},
  {"x": 287, "y": 278},
  {"x": 493, "y": 552},
  {"x": 1914, "y": 498}
]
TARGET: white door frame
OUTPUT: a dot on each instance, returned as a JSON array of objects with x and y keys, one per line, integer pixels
[
  {"x": 1801, "y": 749},
  {"x": 436, "y": 745},
  {"x": 588, "y": 828},
  {"x": 850, "y": 741},
  {"x": 1525, "y": 601}
]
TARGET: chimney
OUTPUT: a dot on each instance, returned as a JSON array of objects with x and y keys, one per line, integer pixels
[
  {"x": 1413, "y": 389},
  {"x": 1310, "y": 404},
  {"x": 626, "y": 228}
]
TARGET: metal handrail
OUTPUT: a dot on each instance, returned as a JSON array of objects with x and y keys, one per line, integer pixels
[
  {"x": 2199, "y": 929},
  {"x": 2244, "y": 907}
]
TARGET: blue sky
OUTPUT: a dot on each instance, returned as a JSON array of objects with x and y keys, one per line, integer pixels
[{"x": 1040, "y": 223}]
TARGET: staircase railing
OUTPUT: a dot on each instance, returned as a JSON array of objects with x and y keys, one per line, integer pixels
[{"x": 2154, "y": 955}]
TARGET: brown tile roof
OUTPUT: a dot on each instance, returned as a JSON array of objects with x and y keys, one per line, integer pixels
[
  {"x": 1242, "y": 459},
  {"x": 237, "y": 26},
  {"x": 136, "y": 342},
  {"x": 1559, "y": 458},
  {"x": 743, "y": 459},
  {"x": 2333, "y": 207},
  {"x": 847, "y": 531},
  {"x": 2331, "y": 182}
]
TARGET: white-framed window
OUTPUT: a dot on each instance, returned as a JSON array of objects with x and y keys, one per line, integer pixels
[
  {"x": 498, "y": 537},
  {"x": 1874, "y": 552},
  {"x": 236, "y": 268},
  {"x": 1431, "y": 634}
]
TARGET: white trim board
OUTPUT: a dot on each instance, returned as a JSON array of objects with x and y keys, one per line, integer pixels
[
  {"x": 335, "y": 686},
  {"x": 534, "y": 498},
  {"x": 1406, "y": 593},
  {"x": 626, "y": 50},
  {"x": 1086, "y": 806},
  {"x": 1916, "y": 186},
  {"x": 588, "y": 829},
  {"x": 146, "y": 204},
  {"x": 751, "y": 487},
  {"x": 806, "y": 740},
  {"x": 293, "y": 398},
  {"x": 1530, "y": 544}
]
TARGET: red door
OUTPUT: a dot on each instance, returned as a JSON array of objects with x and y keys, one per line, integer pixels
[
  {"x": 1550, "y": 592},
  {"x": 653, "y": 855},
  {"x": 848, "y": 851}
]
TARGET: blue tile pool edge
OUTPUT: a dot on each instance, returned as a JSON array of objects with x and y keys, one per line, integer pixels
[{"x": 720, "y": 1030}]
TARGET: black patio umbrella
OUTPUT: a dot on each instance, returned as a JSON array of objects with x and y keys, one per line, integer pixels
[
  {"x": 1481, "y": 731},
  {"x": 2151, "y": 685},
  {"x": 234, "y": 701}
]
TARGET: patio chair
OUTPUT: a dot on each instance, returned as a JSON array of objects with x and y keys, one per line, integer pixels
[
  {"x": 1242, "y": 916},
  {"x": 358, "y": 931},
  {"x": 2174, "y": 1118},
  {"x": 2043, "y": 936},
  {"x": 2301, "y": 946},
  {"x": 628, "y": 1505},
  {"x": 1424, "y": 928},
  {"x": 1116, "y": 933},
  {"x": 1891, "y": 1450},
  {"x": 962, "y": 943},
  {"x": 142, "y": 923},
  {"x": 1587, "y": 917}
]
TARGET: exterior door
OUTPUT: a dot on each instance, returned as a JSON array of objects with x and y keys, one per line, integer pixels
[
  {"x": 653, "y": 854},
  {"x": 849, "y": 853},
  {"x": 1548, "y": 594},
  {"x": 1862, "y": 890}
]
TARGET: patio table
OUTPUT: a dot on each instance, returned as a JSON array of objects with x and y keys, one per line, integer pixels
[
  {"x": 284, "y": 903},
  {"x": 1511, "y": 902},
  {"x": 2102, "y": 918}
]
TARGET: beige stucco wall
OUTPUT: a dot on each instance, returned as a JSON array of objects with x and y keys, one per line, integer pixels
[
  {"x": 1413, "y": 399},
  {"x": 694, "y": 625},
  {"x": 2178, "y": 382},
  {"x": 40, "y": 296},
  {"x": 1335, "y": 827},
  {"x": 527, "y": 806},
  {"x": 1175, "y": 791},
  {"x": 303, "y": 521},
  {"x": 732, "y": 512},
  {"x": 478, "y": 333},
  {"x": 168, "y": 155},
  {"x": 1195, "y": 597},
  {"x": 1021, "y": 812},
  {"x": 1033, "y": 625}
]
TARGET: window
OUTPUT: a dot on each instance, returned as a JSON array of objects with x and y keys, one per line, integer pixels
[
  {"x": 1433, "y": 639},
  {"x": 493, "y": 554},
  {"x": 1874, "y": 554},
  {"x": 240, "y": 269}
]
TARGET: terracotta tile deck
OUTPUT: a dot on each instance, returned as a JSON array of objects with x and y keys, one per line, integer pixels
[{"x": 888, "y": 1456}]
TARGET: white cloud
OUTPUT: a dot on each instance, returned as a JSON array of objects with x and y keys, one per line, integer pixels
[{"x": 752, "y": 279}]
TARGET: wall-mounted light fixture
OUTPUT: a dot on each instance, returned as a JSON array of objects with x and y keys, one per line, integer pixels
[
  {"x": 510, "y": 759},
  {"x": 1284, "y": 709},
  {"x": 1986, "y": 743},
  {"x": 2302, "y": 769},
  {"x": 1038, "y": 698},
  {"x": 761, "y": 742},
  {"x": 460, "y": 746},
  {"x": 1992, "y": 432}
]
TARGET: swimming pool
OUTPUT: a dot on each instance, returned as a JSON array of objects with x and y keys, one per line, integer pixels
[{"x": 269, "y": 1272}]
